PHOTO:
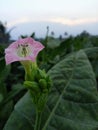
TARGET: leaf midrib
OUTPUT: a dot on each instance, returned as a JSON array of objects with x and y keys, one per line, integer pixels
[{"x": 60, "y": 97}]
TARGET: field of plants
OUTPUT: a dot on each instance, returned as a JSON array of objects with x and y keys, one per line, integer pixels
[{"x": 72, "y": 104}]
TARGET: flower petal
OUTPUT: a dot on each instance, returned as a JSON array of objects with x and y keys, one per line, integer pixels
[{"x": 23, "y": 49}]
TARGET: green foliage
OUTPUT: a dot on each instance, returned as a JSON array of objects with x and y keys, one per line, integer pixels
[
  {"x": 72, "y": 64},
  {"x": 7, "y": 99},
  {"x": 23, "y": 116},
  {"x": 4, "y": 35},
  {"x": 73, "y": 101}
]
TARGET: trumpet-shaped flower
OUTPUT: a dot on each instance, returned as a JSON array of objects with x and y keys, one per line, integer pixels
[{"x": 23, "y": 50}]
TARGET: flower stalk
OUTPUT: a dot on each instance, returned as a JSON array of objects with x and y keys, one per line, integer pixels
[{"x": 38, "y": 120}]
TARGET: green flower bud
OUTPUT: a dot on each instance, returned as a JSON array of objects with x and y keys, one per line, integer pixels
[
  {"x": 32, "y": 86},
  {"x": 43, "y": 84},
  {"x": 49, "y": 82},
  {"x": 41, "y": 74}
]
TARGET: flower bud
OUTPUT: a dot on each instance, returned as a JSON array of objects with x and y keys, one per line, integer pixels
[
  {"x": 43, "y": 84},
  {"x": 32, "y": 86}
]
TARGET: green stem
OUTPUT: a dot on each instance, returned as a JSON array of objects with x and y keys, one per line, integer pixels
[{"x": 38, "y": 120}]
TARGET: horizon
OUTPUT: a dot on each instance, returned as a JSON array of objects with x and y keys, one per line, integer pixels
[
  {"x": 40, "y": 29},
  {"x": 73, "y": 14}
]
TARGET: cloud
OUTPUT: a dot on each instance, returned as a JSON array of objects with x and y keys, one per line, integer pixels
[
  {"x": 73, "y": 22},
  {"x": 18, "y": 21},
  {"x": 61, "y": 20}
]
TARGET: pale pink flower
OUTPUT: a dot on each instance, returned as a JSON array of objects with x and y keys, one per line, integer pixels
[{"x": 22, "y": 50}]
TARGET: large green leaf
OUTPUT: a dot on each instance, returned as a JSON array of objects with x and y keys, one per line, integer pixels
[
  {"x": 92, "y": 53},
  {"x": 73, "y": 101},
  {"x": 23, "y": 115}
]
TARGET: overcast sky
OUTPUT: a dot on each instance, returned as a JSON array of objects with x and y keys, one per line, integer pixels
[
  {"x": 64, "y": 11},
  {"x": 68, "y": 12}
]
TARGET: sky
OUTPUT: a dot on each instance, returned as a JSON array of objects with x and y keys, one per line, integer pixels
[{"x": 69, "y": 13}]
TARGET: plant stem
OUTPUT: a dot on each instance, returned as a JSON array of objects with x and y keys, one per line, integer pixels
[{"x": 38, "y": 120}]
